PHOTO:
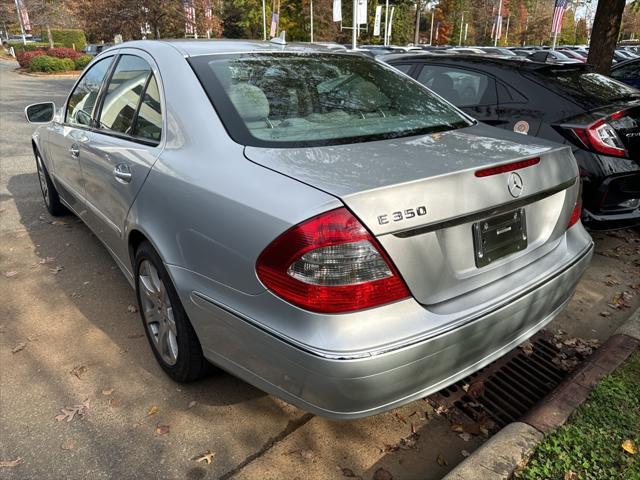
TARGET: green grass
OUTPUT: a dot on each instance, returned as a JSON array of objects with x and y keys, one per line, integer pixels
[{"x": 590, "y": 443}]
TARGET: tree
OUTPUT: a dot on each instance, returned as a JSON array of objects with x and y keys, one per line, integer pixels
[
  {"x": 582, "y": 33},
  {"x": 48, "y": 13},
  {"x": 604, "y": 35}
]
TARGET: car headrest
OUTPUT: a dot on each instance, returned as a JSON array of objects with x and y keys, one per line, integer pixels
[
  {"x": 366, "y": 96},
  {"x": 442, "y": 82},
  {"x": 250, "y": 102}
]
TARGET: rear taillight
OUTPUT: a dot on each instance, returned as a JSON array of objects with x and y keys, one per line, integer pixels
[
  {"x": 330, "y": 264},
  {"x": 601, "y": 136},
  {"x": 575, "y": 215}
]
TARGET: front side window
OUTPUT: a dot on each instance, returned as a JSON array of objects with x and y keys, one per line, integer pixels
[
  {"x": 293, "y": 99},
  {"x": 464, "y": 88},
  {"x": 82, "y": 101},
  {"x": 123, "y": 94}
]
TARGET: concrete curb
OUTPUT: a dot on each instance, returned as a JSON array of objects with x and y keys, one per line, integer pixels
[{"x": 511, "y": 446}]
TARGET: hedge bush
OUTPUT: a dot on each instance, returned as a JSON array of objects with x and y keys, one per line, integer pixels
[
  {"x": 82, "y": 61},
  {"x": 24, "y": 58},
  {"x": 45, "y": 63},
  {"x": 63, "y": 53},
  {"x": 18, "y": 46},
  {"x": 69, "y": 38}
]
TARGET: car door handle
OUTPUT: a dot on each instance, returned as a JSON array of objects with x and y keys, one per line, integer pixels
[
  {"x": 122, "y": 172},
  {"x": 74, "y": 150}
]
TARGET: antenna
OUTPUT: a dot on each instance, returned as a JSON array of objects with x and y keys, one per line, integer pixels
[{"x": 279, "y": 40}]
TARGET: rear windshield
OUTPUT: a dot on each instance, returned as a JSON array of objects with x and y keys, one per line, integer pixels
[
  {"x": 590, "y": 90},
  {"x": 288, "y": 100}
]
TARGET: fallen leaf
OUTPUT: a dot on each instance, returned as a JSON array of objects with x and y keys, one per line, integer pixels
[
  {"x": 205, "y": 457},
  {"x": 152, "y": 410},
  {"x": 441, "y": 410},
  {"x": 19, "y": 347},
  {"x": 527, "y": 348},
  {"x": 382, "y": 474},
  {"x": 476, "y": 390},
  {"x": 192, "y": 404},
  {"x": 78, "y": 371},
  {"x": 68, "y": 444},
  {"x": 457, "y": 427},
  {"x": 10, "y": 274},
  {"x": 69, "y": 413},
  {"x": 347, "y": 472},
  {"x": 162, "y": 429},
  {"x": 465, "y": 436},
  {"x": 465, "y": 387},
  {"x": 132, "y": 309},
  {"x": 629, "y": 447},
  {"x": 11, "y": 463},
  {"x": 605, "y": 314},
  {"x": 571, "y": 475},
  {"x": 464, "y": 453},
  {"x": 114, "y": 402},
  {"x": 58, "y": 222},
  {"x": 107, "y": 391},
  {"x": 56, "y": 270},
  {"x": 46, "y": 260},
  {"x": 441, "y": 460}
]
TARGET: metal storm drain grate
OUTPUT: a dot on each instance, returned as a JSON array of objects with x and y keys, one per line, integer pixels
[{"x": 508, "y": 388}]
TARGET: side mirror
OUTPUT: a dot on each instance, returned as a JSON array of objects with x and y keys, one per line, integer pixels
[{"x": 39, "y": 113}]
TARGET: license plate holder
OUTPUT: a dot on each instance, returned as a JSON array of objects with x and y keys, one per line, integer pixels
[{"x": 498, "y": 236}]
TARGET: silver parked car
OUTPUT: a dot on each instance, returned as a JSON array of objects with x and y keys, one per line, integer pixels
[{"x": 314, "y": 222}]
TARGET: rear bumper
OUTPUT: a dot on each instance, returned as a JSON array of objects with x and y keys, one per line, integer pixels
[
  {"x": 351, "y": 387},
  {"x": 610, "y": 221}
]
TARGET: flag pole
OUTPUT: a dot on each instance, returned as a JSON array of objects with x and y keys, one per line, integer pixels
[
  {"x": 386, "y": 23},
  {"x": 264, "y": 20},
  {"x": 311, "y": 11},
  {"x": 354, "y": 33},
  {"x": 498, "y": 27}
]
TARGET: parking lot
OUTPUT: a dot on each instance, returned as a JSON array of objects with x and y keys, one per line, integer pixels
[{"x": 70, "y": 336}]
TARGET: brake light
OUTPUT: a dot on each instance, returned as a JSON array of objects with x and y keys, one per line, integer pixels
[
  {"x": 330, "y": 264},
  {"x": 601, "y": 137},
  {"x": 575, "y": 215},
  {"x": 509, "y": 167}
]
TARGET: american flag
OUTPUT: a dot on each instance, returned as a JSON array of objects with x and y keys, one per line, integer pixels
[{"x": 558, "y": 14}]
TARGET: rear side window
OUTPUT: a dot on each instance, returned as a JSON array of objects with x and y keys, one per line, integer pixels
[
  {"x": 131, "y": 104},
  {"x": 589, "y": 90},
  {"x": 507, "y": 95},
  {"x": 404, "y": 67},
  {"x": 627, "y": 71},
  {"x": 80, "y": 107},
  {"x": 464, "y": 88}
]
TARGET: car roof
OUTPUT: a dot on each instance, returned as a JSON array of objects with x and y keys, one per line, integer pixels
[
  {"x": 511, "y": 61},
  {"x": 625, "y": 62},
  {"x": 192, "y": 48}
]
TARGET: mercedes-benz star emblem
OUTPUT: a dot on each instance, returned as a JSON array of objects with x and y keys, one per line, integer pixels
[{"x": 515, "y": 185}]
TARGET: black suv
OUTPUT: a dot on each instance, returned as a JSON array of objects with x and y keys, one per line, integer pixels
[{"x": 598, "y": 116}]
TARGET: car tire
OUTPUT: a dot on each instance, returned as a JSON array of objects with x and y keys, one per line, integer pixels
[
  {"x": 48, "y": 189},
  {"x": 172, "y": 338}
]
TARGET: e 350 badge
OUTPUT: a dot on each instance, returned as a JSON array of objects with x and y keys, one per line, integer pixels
[{"x": 401, "y": 215}]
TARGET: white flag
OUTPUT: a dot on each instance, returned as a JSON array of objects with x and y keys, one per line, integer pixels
[
  {"x": 393, "y": 9},
  {"x": 337, "y": 10},
  {"x": 376, "y": 24},
  {"x": 362, "y": 11}
]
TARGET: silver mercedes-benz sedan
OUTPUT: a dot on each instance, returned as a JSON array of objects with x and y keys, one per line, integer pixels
[{"x": 314, "y": 222}]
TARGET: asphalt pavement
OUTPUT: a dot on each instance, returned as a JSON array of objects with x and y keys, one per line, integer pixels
[{"x": 68, "y": 340}]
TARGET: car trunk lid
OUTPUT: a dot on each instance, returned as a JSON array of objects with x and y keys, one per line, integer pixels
[{"x": 421, "y": 196}]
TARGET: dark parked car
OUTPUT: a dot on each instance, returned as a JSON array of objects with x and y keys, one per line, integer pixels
[
  {"x": 598, "y": 116},
  {"x": 94, "y": 49},
  {"x": 627, "y": 72},
  {"x": 551, "y": 56}
]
